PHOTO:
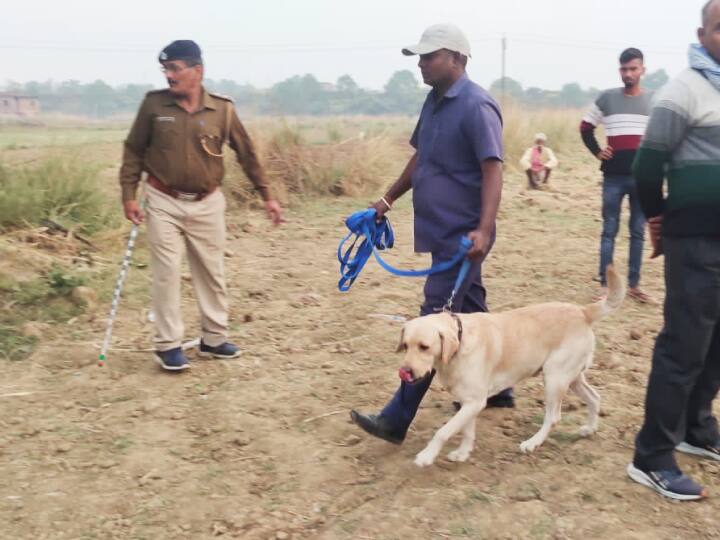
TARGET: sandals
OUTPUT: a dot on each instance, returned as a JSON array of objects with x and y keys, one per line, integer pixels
[
  {"x": 600, "y": 295},
  {"x": 640, "y": 296},
  {"x": 636, "y": 294}
]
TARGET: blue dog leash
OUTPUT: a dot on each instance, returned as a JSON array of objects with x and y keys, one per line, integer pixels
[
  {"x": 464, "y": 269},
  {"x": 376, "y": 235}
]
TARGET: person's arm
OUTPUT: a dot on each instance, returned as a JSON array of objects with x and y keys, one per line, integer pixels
[
  {"x": 134, "y": 149},
  {"x": 404, "y": 183},
  {"x": 667, "y": 127},
  {"x": 485, "y": 131},
  {"x": 401, "y": 186},
  {"x": 247, "y": 157},
  {"x": 491, "y": 195},
  {"x": 590, "y": 121},
  {"x": 649, "y": 172},
  {"x": 525, "y": 159},
  {"x": 552, "y": 161}
]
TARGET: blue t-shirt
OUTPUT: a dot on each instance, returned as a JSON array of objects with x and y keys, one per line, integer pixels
[{"x": 453, "y": 137}]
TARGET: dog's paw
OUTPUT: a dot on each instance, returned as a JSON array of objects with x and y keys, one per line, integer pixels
[
  {"x": 586, "y": 431},
  {"x": 459, "y": 455},
  {"x": 528, "y": 446},
  {"x": 424, "y": 458}
]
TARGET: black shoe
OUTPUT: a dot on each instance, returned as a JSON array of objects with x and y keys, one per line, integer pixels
[
  {"x": 378, "y": 426},
  {"x": 501, "y": 401},
  {"x": 172, "y": 360},
  {"x": 225, "y": 350},
  {"x": 495, "y": 402}
]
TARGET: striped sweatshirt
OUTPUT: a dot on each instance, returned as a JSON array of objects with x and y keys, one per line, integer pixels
[
  {"x": 682, "y": 143},
  {"x": 625, "y": 118}
]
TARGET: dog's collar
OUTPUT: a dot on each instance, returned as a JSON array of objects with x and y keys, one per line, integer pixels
[{"x": 459, "y": 325}]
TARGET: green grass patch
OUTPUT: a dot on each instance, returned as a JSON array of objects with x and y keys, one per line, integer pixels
[
  {"x": 481, "y": 496},
  {"x": 63, "y": 190},
  {"x": 565, "y": 437},
  {"x": 23, "y": 137},
  {"x": 121, "y": 444},
  {"x": 13, "y": 345},
  {"x": 465, "y": 531},
  {"x": 45, "y": 299}
]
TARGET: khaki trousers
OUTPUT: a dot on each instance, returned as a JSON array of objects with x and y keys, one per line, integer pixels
[{"x": 199, "y": 228}]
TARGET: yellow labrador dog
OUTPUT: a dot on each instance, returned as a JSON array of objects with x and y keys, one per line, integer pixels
[{"x": 477, "y": 355}]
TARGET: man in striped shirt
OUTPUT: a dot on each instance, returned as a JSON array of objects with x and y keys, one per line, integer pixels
[{"x": 624, "y": 113}]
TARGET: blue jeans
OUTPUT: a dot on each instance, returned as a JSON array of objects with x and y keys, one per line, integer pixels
[
  {"x": 615, "y": 187},
  {"x": 403, "y": 406}
]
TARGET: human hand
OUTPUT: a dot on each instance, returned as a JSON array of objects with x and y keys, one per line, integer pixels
[
  {"x": 481, "y": 244},
  {"x": 381, "y": 208},
  {"x": 655, "y": 226},
  {"x": 274, "y": 212},
  {"x": 605, "y": 154},
  {"x": 133, "y": 212}
]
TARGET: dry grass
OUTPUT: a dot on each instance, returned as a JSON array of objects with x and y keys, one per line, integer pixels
[
  {"x": 329, "y": 157},
  {"x": 306, "y": 156},
  {"x": 359, "y": 156},
  {"x": 560, "y": 125}
]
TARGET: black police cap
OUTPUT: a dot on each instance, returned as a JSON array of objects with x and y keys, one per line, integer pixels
[{"x": 181, "y": 49}]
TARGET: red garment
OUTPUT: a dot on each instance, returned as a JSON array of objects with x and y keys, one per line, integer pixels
[{"x": 536, "y": 163}]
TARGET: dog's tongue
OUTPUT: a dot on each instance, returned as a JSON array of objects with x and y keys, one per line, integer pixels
[{"x": 405, "y": 375}]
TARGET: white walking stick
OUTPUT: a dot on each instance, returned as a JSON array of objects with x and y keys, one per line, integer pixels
[{"x": 116, "y": 294}]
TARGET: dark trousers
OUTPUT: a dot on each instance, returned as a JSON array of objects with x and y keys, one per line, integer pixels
[
  {"x": 403, "y": 406},
  {"x": 615, "y": 188},
  {"x": 685, "y": 375},
  {"x": 536, "y": 178}
]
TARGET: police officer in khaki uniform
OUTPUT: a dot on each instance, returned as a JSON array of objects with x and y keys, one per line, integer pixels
[{"x": 177, "y": 139}]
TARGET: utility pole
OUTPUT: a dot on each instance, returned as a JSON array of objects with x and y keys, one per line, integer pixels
[{"x": 503, "y": 49}]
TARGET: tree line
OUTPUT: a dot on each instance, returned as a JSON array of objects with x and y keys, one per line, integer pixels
[
  {"x": 570, "y": 95},
  {"x": 299, "y": 95}
]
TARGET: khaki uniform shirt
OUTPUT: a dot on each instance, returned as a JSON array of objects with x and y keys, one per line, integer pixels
[{"x": 182, "y": 149}]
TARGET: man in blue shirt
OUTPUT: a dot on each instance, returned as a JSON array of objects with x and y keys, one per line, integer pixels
[{"x": 456, "y": 178}]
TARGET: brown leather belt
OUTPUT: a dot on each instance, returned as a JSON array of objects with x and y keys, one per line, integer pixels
[{"x": 175, "y": 194}]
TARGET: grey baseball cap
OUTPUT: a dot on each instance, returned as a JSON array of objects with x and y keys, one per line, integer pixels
[{"x": 440, "y": 36}]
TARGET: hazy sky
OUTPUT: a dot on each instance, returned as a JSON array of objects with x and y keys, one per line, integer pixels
[{"x": 261, "y": 42}]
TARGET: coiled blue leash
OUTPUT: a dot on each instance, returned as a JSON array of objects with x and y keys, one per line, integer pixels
[{"x": 376, "y": 235}]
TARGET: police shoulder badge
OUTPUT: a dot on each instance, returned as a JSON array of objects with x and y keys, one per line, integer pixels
[{"x": 222, "y": 96}]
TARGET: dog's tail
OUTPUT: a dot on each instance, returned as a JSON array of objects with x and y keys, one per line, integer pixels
[{"x": 616, "y": 294}]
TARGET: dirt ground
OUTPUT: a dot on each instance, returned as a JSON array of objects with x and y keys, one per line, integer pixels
[{"x": 262, "y": 447}]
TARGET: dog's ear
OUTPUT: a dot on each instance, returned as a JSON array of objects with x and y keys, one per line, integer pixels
[
  {"x": 449, "y": 343},
  {"x": 401, "y": 345}
]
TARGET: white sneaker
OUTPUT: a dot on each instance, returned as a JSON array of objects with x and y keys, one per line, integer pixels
[
  {"x": 712, "y": 452},
  {"x": 672, "y": 484}
]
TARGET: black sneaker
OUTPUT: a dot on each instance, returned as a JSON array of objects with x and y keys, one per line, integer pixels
[
  {"x": 226, "y": 350},
  {"x": 709, "y": 451},
  {"x": 172, "y": 360},
  {"x": 503, "y": 400},
  {"x": 672, "y": 484}
]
